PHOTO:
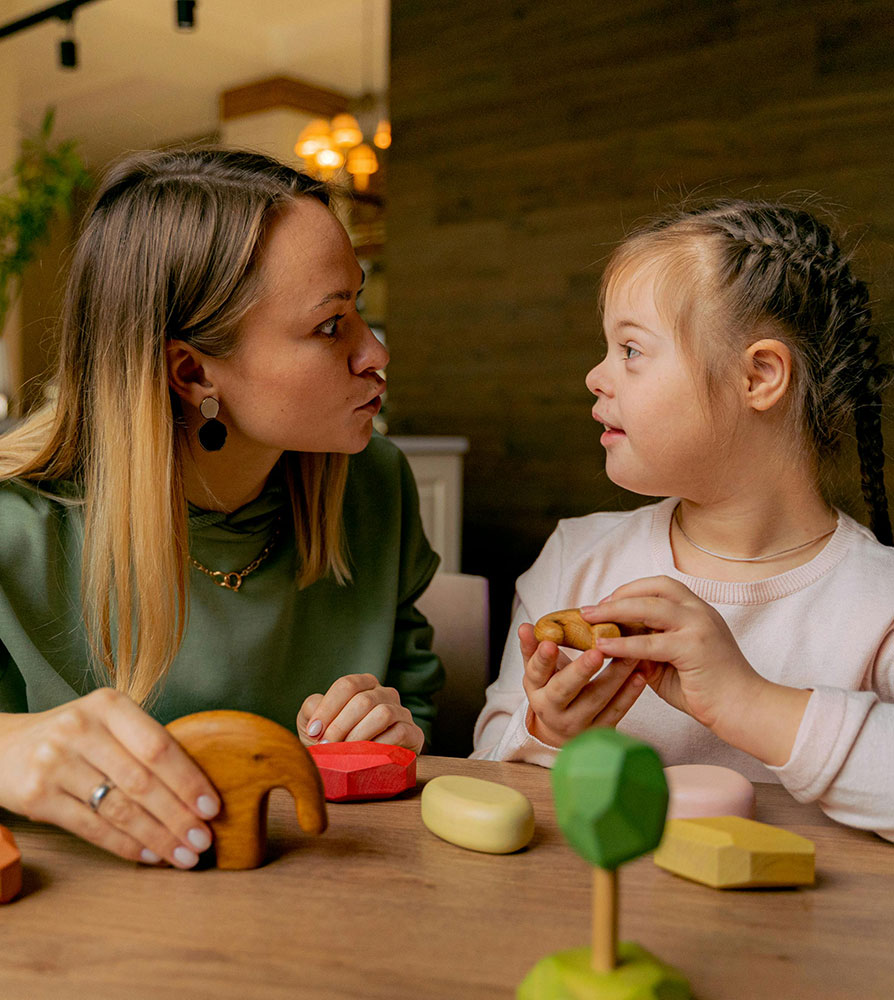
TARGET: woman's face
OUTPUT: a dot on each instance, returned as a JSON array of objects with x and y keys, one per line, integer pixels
[{"x": 304, "y": 375}]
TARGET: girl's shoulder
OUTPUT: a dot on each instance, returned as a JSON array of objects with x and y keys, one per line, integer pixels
[
  {"x": 622, "y": 537},
  {"x": 864, "y": 549},
  {"x": 616, "y": 527}
]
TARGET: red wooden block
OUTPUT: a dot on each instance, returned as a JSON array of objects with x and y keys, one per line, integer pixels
[
  {"x": 10, "y": 866},
  {"x": 363, "y": 770}
]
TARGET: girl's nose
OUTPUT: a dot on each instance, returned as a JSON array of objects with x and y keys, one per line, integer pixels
[{"x": 596, "y": 381}]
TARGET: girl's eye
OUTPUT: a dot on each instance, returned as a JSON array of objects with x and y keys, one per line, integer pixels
[
  {"x": 630, "y": 352},
  {"x": 330, "y": 327}
]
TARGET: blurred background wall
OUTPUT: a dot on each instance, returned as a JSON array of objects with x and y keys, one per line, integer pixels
[{"x": 528, "y": 137}]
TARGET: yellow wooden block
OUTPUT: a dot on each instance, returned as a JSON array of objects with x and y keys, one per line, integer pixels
[
  {"x": 730, "y": 852},
  {"x": 478, "y": 815}
]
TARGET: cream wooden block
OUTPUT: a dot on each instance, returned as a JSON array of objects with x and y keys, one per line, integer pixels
[
  {"x": 730, "y": 852},
  {"x": 707, "y": 790},
  {"x": 476, "y": 814}
]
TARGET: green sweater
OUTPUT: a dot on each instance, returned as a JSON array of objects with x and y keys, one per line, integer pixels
[{"x": 262, "y": 649}]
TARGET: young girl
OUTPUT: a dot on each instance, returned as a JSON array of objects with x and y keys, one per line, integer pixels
[
  {"x": 183, "y": 529},
  {"x": 739, "y": 349}
]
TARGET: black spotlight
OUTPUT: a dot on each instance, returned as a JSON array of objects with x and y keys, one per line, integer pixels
[
  {"x": 186, "y": 16},
  {"x": 68, "y": 53}
]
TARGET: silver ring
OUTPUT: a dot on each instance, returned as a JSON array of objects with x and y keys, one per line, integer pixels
[{"x": 98, "y": 794}]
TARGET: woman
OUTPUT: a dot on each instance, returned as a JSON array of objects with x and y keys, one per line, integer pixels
[{"x": 183, "y": 529}]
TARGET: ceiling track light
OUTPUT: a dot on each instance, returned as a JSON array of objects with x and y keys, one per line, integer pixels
[
  {"x": 186, "y": 14},
  {"x": 68, "y": 49}
]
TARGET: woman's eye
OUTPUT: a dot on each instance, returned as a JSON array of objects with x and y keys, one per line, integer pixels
[
  {"x": 330, "y": 327},
  {"x": 630, "y": 352}
]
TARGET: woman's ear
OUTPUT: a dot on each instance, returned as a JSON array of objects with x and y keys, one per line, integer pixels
[
  {"x": 186, "y": 372},
  {"x": 768, "y": 373}
]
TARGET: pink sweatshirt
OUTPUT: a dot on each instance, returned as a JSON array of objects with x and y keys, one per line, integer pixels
[{"x": 827, "y": 625}]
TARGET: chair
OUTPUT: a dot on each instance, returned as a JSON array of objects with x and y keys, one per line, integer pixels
[{"x": 457, "y": 607}]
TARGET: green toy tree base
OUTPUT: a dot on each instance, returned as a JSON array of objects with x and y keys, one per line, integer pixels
[{"x": 568, "y": 975}]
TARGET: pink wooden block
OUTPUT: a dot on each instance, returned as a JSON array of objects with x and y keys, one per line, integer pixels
[
  {"x": 363, "y": 770},
  {"x": 698, "y": 790}
]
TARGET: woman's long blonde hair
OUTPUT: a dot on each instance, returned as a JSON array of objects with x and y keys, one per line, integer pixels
[{"x": 169, "y": 250}]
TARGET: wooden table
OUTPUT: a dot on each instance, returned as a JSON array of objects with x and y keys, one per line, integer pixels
[{"x": 377, "y": 907}]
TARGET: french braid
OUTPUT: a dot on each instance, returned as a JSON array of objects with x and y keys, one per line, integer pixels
[{"x": 781, "y": 264}]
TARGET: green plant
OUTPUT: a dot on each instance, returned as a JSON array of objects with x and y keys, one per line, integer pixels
[{"x": 45, "y": 177}]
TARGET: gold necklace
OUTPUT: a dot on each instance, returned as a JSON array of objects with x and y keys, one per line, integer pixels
[
  {"x": 770, "y": 555},
  {"x": 233, "y": 580}
]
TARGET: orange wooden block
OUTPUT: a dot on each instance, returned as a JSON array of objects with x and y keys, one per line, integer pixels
[
  {"x": 10, "y": 866},
  {"x": 245, "y": 756},
  {"x": 363, "y": 769}
]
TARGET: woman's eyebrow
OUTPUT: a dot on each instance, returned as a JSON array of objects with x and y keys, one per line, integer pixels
[{"x": 343, "y": 295}]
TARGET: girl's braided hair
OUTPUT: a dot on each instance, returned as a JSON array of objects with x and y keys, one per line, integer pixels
[{"x": 780, "y": 269}]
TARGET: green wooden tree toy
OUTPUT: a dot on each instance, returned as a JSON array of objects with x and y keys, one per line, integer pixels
[{"x": 611, "y": 801}]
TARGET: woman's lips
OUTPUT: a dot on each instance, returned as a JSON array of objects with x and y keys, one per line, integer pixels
[{"x": 373, "y": 406}]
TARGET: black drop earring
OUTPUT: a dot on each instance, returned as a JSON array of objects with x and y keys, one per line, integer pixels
[{"x": 212, "y": 434}]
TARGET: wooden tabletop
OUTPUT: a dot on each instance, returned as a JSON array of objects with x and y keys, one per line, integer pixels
[{"x": 377, "y": 908}]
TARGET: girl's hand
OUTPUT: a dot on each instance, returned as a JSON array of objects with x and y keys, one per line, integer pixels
[
  {"x": 52, "y": 762},
  {"x": 358, "y": 707},
  {"x": 564, "y": 696},
  {"x": 692, "y": 661}
]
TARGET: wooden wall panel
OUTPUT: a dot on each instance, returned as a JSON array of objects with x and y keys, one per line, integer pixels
[{"x": 528, "y": 136}]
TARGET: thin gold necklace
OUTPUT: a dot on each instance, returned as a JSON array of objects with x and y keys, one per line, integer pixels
[
  {"x": 770, "y": 555},
  {"x": 233, "y": 580}
]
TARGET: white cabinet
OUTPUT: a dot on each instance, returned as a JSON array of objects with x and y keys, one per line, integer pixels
[{"x": 437, "y": 464}]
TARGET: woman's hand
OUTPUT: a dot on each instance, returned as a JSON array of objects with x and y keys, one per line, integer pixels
[
  {"x": 564, "y": 696},
  {"x": 693, "y": 662},
  {"x": 51, "y": 762},
  {"x": 358, "y": 707}
]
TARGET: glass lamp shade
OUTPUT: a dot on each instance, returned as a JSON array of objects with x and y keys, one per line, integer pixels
[
  {"x": 361, "y": 163},
  {"x": 382, "y": 138},
  {"x": 314, "y": 137},
  {"x": 346, "y": 131},
  {"x": 328, "y": 160}
]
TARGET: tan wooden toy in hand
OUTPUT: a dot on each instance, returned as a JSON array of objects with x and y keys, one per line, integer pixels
[
  {"x": 568, "y": 628},
  {"x": 245, "y": 756}
]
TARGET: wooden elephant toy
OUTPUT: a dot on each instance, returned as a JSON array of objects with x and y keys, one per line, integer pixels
[{"x": 244, "y": 757}]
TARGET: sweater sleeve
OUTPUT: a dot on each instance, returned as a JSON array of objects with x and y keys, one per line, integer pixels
[
  {"x": 413, "y": 669},
  {"x": 844, "y": 748},
  {"x": 501, "y": 731}
]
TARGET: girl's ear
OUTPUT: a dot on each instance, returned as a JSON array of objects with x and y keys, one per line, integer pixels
[
  {"x": 186, "y": 373},
  {"x": 768, "y": 373}
]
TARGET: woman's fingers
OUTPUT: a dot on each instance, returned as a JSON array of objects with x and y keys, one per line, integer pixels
[
  {"x": 358, "y": 707},
  {"x": 72, "y": 814},
  {"x": 342, "y": 691},
  {"x": 158, "y": 754},
  {"x": 143, "y": 806},
  {"x": 368, "y": 719}
]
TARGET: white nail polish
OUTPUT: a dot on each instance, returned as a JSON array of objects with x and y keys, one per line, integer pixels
[
  {"x": 315, "y": 728},
  {"x": 150, "y": 857},
  {"x": 199, "y": 839},
  {"x": 207, "y": 806},
  {"x": 185, "y": 857},
  {"x": 324, "y": 741}
]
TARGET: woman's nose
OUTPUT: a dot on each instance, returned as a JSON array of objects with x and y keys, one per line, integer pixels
[{"x": 371, "y": 353}]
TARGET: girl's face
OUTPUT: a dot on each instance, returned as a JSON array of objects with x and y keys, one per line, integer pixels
[
  {"x": 304, "y": 375},
  {"x": 659, "y": 438}
]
